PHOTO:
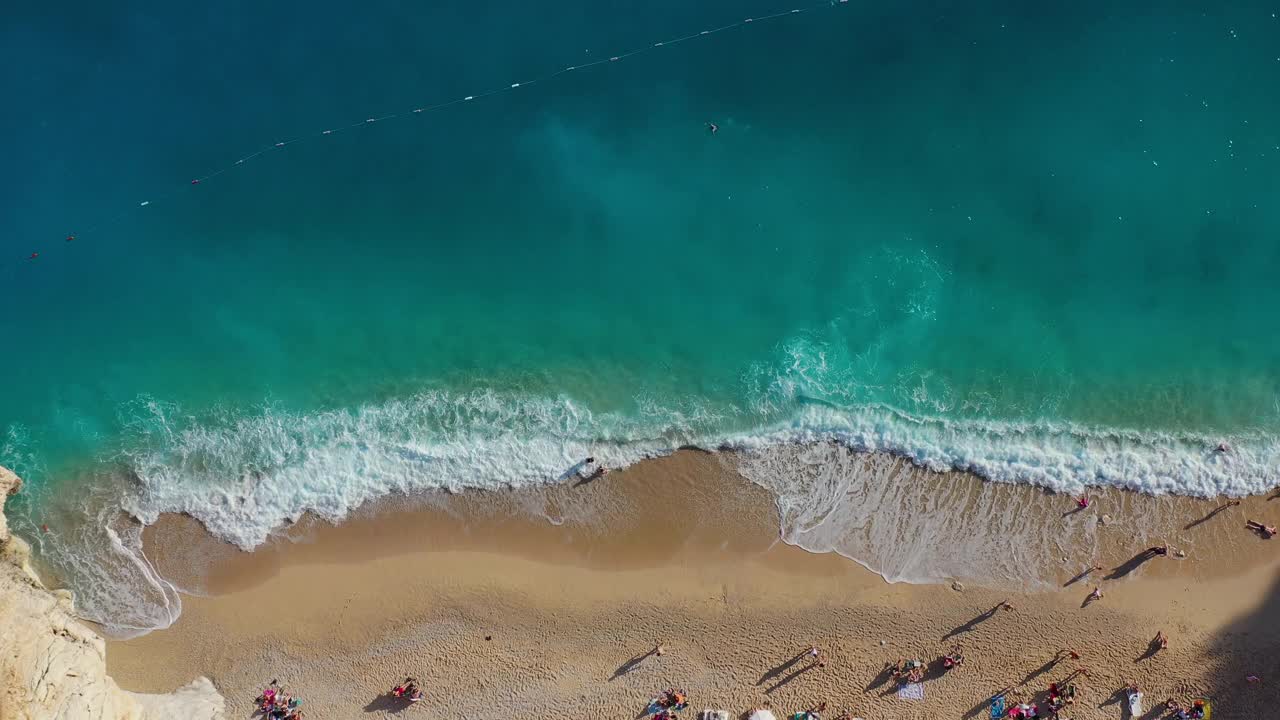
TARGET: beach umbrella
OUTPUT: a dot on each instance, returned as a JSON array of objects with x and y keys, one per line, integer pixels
[{"x": 761, "y": 715}]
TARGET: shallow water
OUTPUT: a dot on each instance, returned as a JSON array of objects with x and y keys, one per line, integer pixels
[{"x": 1038, "y": 243}]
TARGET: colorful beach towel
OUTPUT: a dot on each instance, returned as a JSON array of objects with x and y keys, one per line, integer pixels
[
  {"x": 911, "y": 691},
  {"x": 997, "y": 707}
]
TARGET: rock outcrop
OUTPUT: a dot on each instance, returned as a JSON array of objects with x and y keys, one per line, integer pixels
[{"x": 54, "y": 667}]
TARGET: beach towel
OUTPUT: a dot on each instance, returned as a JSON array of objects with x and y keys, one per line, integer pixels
[
  {"x": 997, "y": 707},
  {"x": 1135, "y": 704},
  {"x": 762, "y": 715},
  {"x": 911, "y": 691}
]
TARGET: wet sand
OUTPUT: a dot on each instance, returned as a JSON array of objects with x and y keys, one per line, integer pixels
[{"x": 543, "y": 604}]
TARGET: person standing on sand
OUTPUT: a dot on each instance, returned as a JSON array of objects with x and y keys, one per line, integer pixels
[
  {"x": 1161, "y": 642},
  {"x": 1093, "y": 596}
]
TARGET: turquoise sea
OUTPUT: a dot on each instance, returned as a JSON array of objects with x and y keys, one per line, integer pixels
[{"x": 1036, "y": 241}]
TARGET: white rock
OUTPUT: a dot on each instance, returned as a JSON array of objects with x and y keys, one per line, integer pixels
[{"x": 53, "y": 667}]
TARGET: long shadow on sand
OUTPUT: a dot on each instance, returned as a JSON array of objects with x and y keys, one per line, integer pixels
[
  {"x": 1130, "y": 565},
  {"x": 631, "y": 664},
  {"x": 779, "y": 669},
  {"x": 1212, "y": 514},
  {"x": 1153, "y": 647},
  {"x": 1083, "y": 574},
  {"x": 967, "y": 627},
  {"x": 389, "y": 704},
  {"x": 977, "y": 710},
  {"x": 794, "y": 674},
  {"x": 885, "y": 675},
  {"x": 1053, "y": 662}
]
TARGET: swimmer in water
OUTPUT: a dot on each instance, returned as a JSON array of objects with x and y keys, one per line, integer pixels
[{"x": 714, "y": 128}]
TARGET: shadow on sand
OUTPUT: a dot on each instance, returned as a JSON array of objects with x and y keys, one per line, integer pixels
[
  {"x": 1131, "y": 564},
  {"x": 969, "y": 626},
  {"x": 387, "y": 703},
  {"x": 632, "y": 664}
]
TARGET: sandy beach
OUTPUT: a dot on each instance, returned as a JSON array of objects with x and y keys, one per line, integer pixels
[{"x": 547, "y": 603}]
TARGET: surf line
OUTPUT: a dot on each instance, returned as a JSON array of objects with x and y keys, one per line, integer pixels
[{"x": 425, "y": 109}]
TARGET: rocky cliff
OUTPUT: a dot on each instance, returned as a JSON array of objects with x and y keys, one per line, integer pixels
[{"x": 54, "y": 667}]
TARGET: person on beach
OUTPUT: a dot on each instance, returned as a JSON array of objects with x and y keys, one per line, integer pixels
[
  {"x": 1266, "y": 531},
  {"x": 1135, "y": 700},
  {"x": 1161, "y": 642},
  {"x": 1057, "y": 700},
  {"x": 408, "y": 690},
  {"x": 672, "y": 700},
  {"x": 1155, "y": 551},
  {"x": 590, "y": 469},
  {"x": 811, "y": 713},
  {"x": 1025, "y": 710},
  {"x": 909, "y": 671},
  {"x": 1083, "y": 502},
  {"x": 268, "y": 700},
  {"x": 1094, "y": 596},
  {"x": 952, "y": 659}
]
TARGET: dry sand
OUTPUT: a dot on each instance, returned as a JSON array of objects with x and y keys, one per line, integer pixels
[{"x": 543, "y": 604}]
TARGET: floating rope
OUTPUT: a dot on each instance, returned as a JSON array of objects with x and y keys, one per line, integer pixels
[{"x": 425, "y": 109}]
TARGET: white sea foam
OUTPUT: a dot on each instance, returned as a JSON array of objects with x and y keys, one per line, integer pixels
[
  {"x": 245, "y": 476},
  {"x": 1059, "y": 456}
]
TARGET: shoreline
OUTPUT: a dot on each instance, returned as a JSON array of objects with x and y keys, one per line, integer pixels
[{"x": 572, "y": 581}]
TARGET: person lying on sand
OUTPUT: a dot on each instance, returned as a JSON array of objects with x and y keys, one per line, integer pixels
[
  {"x": 1266, "y": 531},
  {"x": 952, "y": 659}
]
